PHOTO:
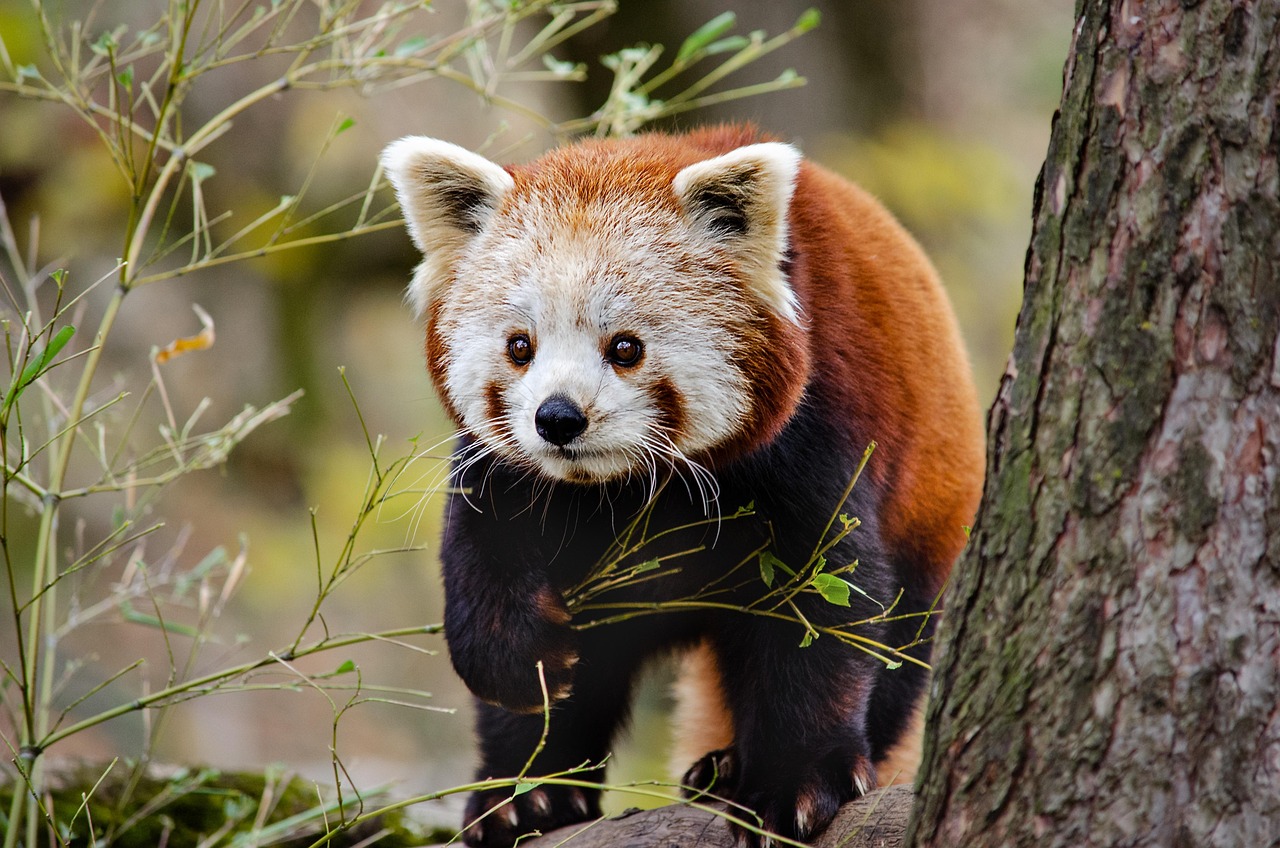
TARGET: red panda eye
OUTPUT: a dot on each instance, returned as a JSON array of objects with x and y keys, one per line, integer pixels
[
  {"x": 520, "y": 349},
  {"x": 625, "y": 351}
]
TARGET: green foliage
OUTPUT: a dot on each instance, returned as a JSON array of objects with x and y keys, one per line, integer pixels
[
  {"x": 784, "y": 582},
  {"x": 204, "y": 808},
  {"x": 69, "y": 436},
  {"x": 639, "y": 95},
  {"x": 833, "y": 589},
  {"x": 39, "y": 362}
]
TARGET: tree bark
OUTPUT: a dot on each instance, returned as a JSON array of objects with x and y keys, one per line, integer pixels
[{"x": 1108, "y": 671}]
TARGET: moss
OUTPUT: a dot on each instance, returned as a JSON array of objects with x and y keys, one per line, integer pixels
[
  {"x": 1189, "y": 487},
  {"x": 1127, "y": 401},
  {"x": 185, "y": 809}
]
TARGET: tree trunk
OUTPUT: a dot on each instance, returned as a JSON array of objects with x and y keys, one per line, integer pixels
[{"x": 1109, "y": 668}]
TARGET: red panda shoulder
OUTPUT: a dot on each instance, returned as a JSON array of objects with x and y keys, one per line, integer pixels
[{"x": 889, "y": 364}]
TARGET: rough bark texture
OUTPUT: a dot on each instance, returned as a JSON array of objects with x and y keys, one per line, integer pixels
[
  {"x": 1109, "y": 668},
  {"x": 875, "y": 821}
]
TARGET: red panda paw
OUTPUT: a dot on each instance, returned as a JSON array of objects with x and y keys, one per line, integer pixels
[
  {"x": 498, "y": 819},
  {"x": 714, "y": 773},
  {"x": 803, "y": 811},
  {"x": 499, "y": 664}
]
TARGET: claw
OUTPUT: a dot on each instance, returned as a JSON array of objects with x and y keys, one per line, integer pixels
[
  {"x": 864, "y": 777},
  {"x": 579, "y": 802},
  {"x": 713, "y": 772},
  {"x": 540, "y": 802},
  {"x": 747, "y": 839},
  {"x": 802, "y": 823}
]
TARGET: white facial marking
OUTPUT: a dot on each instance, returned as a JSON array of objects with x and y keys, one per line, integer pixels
[
  {"x": 446, "y": 193},
  {"x": 574, "y": 272},
  {"x": 759, "y": 179},
  {"x": 572, "y": 290}
]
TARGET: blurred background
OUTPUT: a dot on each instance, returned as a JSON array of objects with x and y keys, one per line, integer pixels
[{"x": 940, "y": 109}]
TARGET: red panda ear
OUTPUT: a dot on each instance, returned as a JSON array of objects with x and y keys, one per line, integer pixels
[
  {"x": 447, "y": 195},
  {"x": 741, "y": 200}
]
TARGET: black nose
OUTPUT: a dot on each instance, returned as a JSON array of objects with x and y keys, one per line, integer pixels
[{"x": 559, "y": 420}]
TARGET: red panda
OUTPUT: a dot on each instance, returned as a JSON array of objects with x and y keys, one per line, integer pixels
[{"x": 678, "y": 326}]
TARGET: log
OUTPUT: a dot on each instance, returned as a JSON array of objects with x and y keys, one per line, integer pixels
[{"x": 877, "y": 820}]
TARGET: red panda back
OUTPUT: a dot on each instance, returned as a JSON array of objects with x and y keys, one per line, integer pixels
[{"x": 887, "y": 352}]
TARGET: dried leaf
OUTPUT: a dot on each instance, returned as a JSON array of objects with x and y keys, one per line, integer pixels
[{"x": 202, "y": 340}]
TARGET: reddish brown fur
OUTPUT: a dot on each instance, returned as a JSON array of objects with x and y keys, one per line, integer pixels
[
  {"x": 551, "y": 605},
  {"x": 774, "y": 355},
  {"x": 495, "y": 406},
  {"x": 670, "y": 405},
  {"x": 876, "y": 338},
  {"x": 875, "y": 320},
  {"x": 875, "y": 316},
  {"x": 875, "y": 349},
  {"x": 437, "y": 352},
  {"x": 773, "y": 359}
]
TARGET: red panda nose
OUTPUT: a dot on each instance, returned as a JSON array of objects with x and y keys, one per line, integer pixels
[{"x": 559, "y": 420}]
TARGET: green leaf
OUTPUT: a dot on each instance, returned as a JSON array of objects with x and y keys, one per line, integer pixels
[
  {"x": 766, "y": 568},
  {"x": 347, "y": 667},
  {"x": 201, "y": 171},
  {"x": 186, "y": 580},
  {"x": 105, "y": 44},
  {"x": 725, "y": 45},
  {"x": 706, "y": 34},
  {"x": 769, "y": 564},
  {"x": 41, "y": 362},
  {"x": 125, "y": 78},
  {"x": 863, "y": 593},
  {"x": 809, "y": 636},
  {"x": 410, "y": 46},
  {"x": 523, "y": 787},
  {"x": 37, "y": 366},
  {"x": 832, "y": 588},
  {"x": 346, "y": 124},
  {"x": 128, "y": 613},
  {"x": 560, "y": 68},
  {"x": 807, "y": 21},
  {"x": 647, "y": 565}
]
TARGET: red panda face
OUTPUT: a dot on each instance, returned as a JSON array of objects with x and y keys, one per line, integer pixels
[{"x": 602, "y": 327}]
